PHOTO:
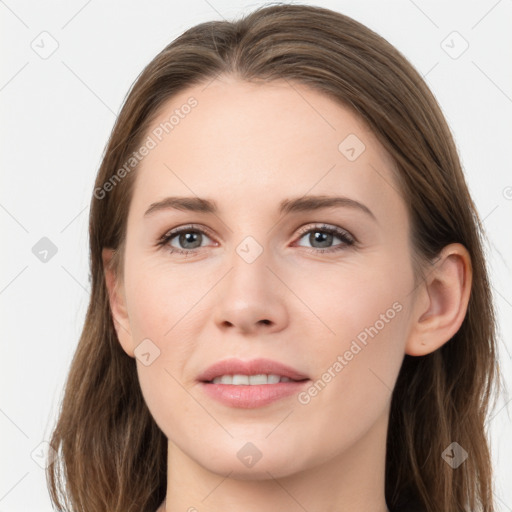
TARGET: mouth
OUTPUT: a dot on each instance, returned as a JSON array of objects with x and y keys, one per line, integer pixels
[
  {"x": 251, "y": 384},
  {"x": 250, "y": 380}
]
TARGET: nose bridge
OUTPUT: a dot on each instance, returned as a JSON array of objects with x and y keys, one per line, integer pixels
[
  {"x": 250, "y": 250},
  {"x": 249, "y": 275},
  {"x": 250, "y": 297}
]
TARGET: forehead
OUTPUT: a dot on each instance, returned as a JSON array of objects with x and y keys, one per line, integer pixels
[{"x": 260, "y": 142}]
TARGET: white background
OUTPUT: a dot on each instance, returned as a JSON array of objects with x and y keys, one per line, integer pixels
[{"x": 57, "y": 113}]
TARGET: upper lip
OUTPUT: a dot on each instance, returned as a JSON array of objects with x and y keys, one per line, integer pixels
[{"x": 252, "y": 367}]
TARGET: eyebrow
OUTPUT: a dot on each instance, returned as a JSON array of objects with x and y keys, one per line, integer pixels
[{"x": 299, "y": 204}]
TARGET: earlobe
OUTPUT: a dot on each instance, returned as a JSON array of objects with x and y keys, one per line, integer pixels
[
  {"x": 442, "y": 303},
  {"x": 117, "y": 302}
]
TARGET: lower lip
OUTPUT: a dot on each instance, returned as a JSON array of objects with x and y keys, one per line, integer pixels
[{"x": 250, "y": 397}]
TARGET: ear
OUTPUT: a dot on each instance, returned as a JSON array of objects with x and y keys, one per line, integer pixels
[
  {"x": 117, "y": 301},
  {"x": 441, "y": 302}
]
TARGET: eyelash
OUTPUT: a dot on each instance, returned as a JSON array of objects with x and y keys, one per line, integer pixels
[{"x": 347, "y": 239}]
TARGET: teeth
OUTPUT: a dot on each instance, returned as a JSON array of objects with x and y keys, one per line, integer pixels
[
  {"x": 250, "y": 380},
  {"x": 240, "y": 379},
  {"x": 258, "y": 379}
]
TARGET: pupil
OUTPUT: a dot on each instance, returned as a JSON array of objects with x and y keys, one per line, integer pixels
[
  {"x": 322, "y": 238},
  {"x": 189, "y": 238}
]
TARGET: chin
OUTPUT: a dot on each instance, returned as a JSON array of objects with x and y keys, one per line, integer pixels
[
  {"x": 246, "y": 461},
  {"x": 260, "y": 471}
]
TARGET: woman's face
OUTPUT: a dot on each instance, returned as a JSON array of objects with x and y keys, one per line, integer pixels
[{"x": 267, "y": 277}]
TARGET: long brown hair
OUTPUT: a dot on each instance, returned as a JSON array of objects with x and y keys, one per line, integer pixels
[{"x": 111, "y": 454}]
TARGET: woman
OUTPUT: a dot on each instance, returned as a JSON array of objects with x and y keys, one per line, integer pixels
[{"x": 229, "y": 362}]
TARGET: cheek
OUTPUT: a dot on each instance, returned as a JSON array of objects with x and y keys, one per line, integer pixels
[
  {"x": 168, "y": 402},
  {"x": 167, "y": 312},
  {"x": 356, "y": 301},
  {"x": 162, "y": 299},
  {"x": 365, "y": 323},
  {"x": 164, "y": 309}
]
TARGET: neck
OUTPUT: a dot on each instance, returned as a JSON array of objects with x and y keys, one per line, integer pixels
[{"x": 350, "y": 481}]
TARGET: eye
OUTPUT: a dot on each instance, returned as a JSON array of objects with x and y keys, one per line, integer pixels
[
  {"x": 183, "y": 240},
  {"x": 321, "y": 237},
  {"x": 188, "y": 239}
]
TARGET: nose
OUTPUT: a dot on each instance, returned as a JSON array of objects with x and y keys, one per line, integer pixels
[{"x": 250, "y": 298}]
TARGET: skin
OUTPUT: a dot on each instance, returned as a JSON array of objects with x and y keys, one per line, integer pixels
[{"x": 248, "y": 146}]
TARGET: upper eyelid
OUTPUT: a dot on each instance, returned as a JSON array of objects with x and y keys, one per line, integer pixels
[
  {"x": 323, "y": 226},
  {"x": 187, "y": 227},
  {"x": 301, "y": 231}
]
